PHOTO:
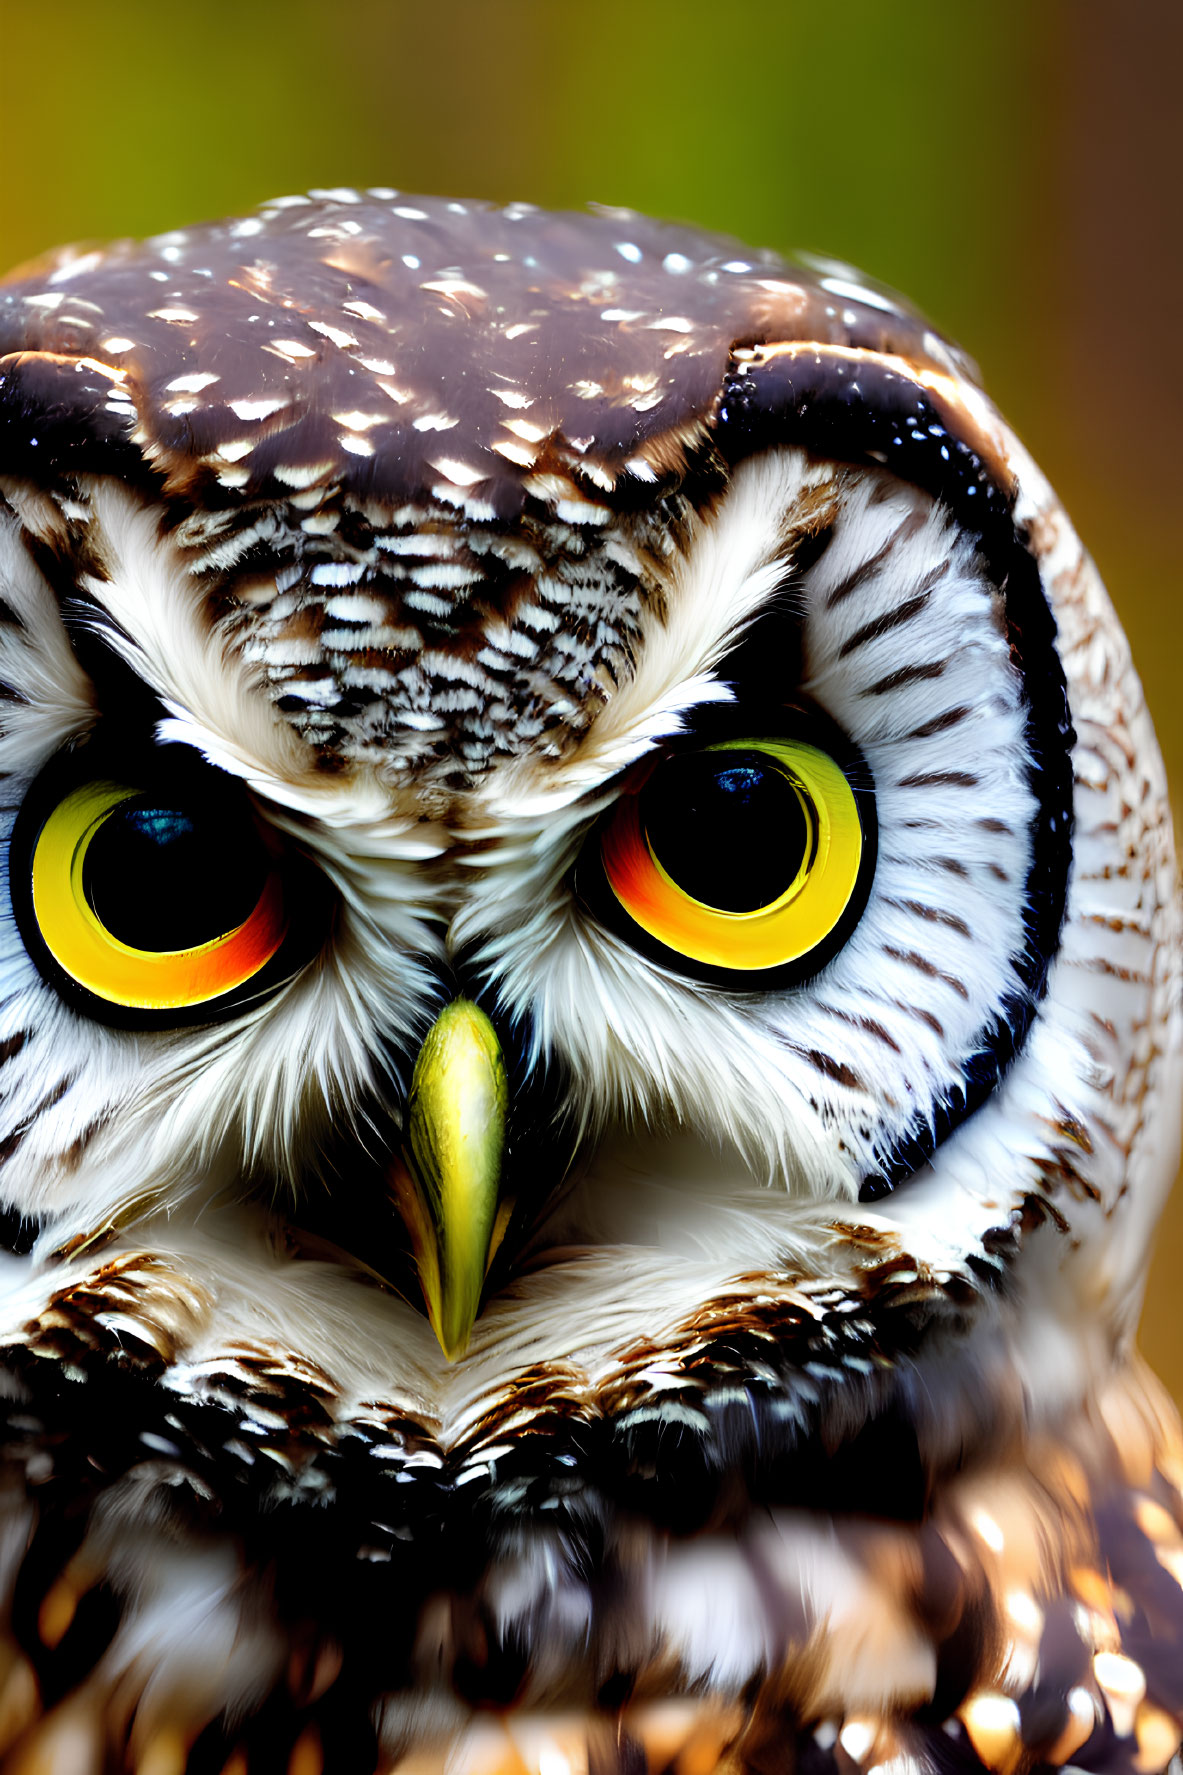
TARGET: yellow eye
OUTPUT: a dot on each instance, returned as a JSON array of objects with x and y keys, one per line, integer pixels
[
  {"x": 151, "y": 902},
  {"x": 749, "y": 856}
]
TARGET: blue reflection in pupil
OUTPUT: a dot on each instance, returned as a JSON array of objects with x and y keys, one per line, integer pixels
[
  {"x": 727, "y": 827},
  {"x": 741, "y": 779},
  {"x": 161, "y": 825},
  {"x": 162, "y": 877}
]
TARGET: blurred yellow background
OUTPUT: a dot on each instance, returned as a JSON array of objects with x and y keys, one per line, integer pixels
[{"x": 1014, "y": 168}]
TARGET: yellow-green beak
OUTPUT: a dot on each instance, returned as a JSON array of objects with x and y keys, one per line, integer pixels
[{"x": 450, "y": 1194}]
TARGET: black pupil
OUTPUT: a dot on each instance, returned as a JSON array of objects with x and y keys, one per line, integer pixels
[
  {"x": 161, "y": 877},
  {"x": 727, "y": 827}
]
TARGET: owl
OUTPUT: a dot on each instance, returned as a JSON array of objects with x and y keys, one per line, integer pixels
[{"x": 590, "y": 1026}]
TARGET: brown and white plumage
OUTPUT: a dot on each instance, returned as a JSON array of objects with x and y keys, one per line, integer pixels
[{"x": 800, "y": 1423}]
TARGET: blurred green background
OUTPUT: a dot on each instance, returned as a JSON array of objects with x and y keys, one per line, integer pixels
[{"x": 1014, "y": 168}]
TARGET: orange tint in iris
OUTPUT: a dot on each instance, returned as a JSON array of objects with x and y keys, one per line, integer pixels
[{"x": 789, "y": 927}]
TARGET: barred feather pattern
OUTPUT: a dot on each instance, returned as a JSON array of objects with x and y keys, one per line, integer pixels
[{"x": 1023, "y": 1607}]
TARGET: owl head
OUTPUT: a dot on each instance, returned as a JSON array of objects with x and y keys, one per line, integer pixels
[{"x": 586, "y": 865}]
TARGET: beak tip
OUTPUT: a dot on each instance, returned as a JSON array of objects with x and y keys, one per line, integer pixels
[
  {"x": 453, "y": 1346},
  {"x": 453, "y": 1329}
]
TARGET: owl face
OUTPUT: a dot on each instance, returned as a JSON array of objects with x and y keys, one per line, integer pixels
[{"x": 571, "y": 790}]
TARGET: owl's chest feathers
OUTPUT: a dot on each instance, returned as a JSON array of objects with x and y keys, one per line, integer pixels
[
  {"x": 518, "y": 1522},
  {"x": 750, "y": 1345}
]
